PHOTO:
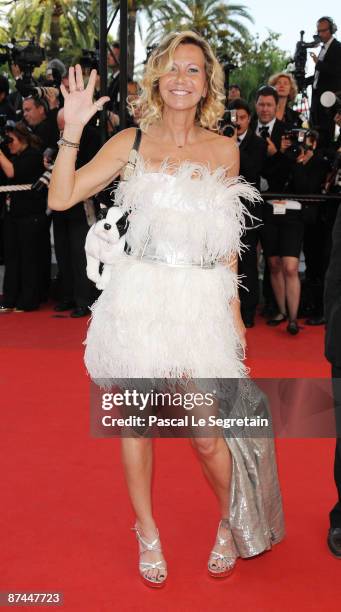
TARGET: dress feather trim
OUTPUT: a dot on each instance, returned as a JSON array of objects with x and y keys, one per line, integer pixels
[{"x": 158, "y": 198}]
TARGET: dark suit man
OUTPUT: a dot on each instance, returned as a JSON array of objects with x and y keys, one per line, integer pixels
[
  {"x": 333, "y": 354},
  {"x": 271, "y": 130},
  {"x": 253, "y": 150},
  {"x": 327, "y": 77},
  {"x": 275, "y": 169}
]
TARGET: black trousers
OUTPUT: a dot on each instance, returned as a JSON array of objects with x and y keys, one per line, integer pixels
[
  {"x": 46, "y": 261},
  {"x": 70, "y": 229},
  {"x": 248, "y": 267},
  {"x": 23, "y": 238},
  {"x": 317, "y": 243},
  {"x": 335, "y": 514}
]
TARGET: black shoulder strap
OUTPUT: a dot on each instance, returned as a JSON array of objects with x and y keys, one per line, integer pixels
[
  {"x": 137, "y": 140},
  {"x": 130, "y": 166}
]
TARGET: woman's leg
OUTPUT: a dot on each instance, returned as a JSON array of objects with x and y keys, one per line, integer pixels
[
  {"x": 278, "y": 282},
  {"x": 292, "y": 285},
  {"x": 216, "y": 463},
  {"x": 137, "y": 457}
]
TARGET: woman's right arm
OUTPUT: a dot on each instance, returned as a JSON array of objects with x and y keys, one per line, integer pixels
[{"x": 68, "y": 186}]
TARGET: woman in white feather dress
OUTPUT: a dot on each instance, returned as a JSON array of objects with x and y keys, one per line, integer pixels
[{"x": 171, "y": 308}]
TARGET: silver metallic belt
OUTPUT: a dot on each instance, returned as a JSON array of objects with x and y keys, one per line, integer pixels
[{"x": 158, "y": 260}]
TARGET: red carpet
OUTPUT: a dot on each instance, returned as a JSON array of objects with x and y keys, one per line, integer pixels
[{"x": 65, "y": 516}]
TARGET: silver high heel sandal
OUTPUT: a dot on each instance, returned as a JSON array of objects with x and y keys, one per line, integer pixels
[
  {"x": 144, "y": 566},
  {"x": 229, "y": 559}
]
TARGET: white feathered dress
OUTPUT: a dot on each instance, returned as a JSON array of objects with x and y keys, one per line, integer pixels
[{"x": 161, "y": 316}]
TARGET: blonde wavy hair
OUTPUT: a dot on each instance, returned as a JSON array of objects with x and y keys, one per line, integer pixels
[
  {"x": 149, "y": 104},
  {"x": 293, "y": 86}
]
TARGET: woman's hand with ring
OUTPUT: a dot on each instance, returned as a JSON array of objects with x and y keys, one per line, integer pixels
[{"x": 78, "y": 101}]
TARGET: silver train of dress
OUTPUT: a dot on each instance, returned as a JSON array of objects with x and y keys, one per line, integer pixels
[{"x": 165, "y": 313}]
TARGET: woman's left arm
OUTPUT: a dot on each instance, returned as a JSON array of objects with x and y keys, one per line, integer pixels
[{"x": 6, "y": 165}]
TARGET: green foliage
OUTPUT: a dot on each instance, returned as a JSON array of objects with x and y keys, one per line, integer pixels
[
  {"x": 64, "y": 27},
  {"x": 216, "y": 20},
  {"x": 257, "y": 62},
  {"x": 55, "y": 24}
]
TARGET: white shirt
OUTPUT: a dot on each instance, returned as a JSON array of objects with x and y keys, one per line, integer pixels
[
  {"x": 264, "y": 185},
  {"x": 322, "y": 53},
  {"x": 269, "y": 125},
  {"x": 241, "y": 137}
]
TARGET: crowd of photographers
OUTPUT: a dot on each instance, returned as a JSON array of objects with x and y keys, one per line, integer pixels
[
  {"x": 31, "y": 120},
  {"x": 279, "y": 153}
]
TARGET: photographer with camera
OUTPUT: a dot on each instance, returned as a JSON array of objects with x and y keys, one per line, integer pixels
[
  {"x": 41, "y": 116},
  {"x": 25, "y": 221},
  {"x": 284, "y": 225},
  {"x": 286, "y": 87},
  {"x": 327, "y": 77},
  {"x": 273, "y": 175},
  {"x": 268, "y": 127},
  {"x": 252, "y": 151}
]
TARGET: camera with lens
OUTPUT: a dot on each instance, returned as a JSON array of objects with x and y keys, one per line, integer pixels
[
  {"x": 300, "y": 59},
  {"x": 89, "y": 59},
  {"x": 27, "y": 58},
  {"x": 301, "y": 140},
  {"x": 43, "y": 181},
  {"x": 229, "y": 123},
  {"x": 5, "y": 125}
]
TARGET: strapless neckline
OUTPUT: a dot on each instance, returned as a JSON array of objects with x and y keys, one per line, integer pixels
[{"x": 202, "y": 169}]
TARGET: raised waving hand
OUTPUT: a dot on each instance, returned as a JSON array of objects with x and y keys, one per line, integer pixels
[{"x": 79, "y": 106}]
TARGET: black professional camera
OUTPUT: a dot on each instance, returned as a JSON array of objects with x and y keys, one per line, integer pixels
[
  {"x": 5, "y": 124},
  {"x": 89, "y": 59},
  {"x": 300, "y": 59},
  {"x": 301, "y": 140},
  {"x": 229, "y": 123},
  {"x": 43, "y": 181},
  {"x": 27, "y": 58},
  {"x": 227, "y": 65}
]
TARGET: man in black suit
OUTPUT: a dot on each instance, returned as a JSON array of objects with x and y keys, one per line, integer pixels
[
  {"x": 333, "y": 354},
  {"x": 327, "y": 77},
  {"x": 268, "y": 127},
  {"x": 275, "y": 168},
  {"x": 253, "y": 150}
]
